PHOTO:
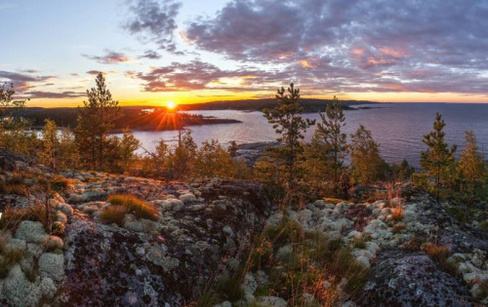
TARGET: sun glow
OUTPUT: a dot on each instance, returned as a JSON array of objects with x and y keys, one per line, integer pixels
[{"x": 170, "y": 105}]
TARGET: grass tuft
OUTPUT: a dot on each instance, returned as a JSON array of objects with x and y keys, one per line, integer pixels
[
  {"x": 138, "y": 207},
  {"x": 12, "y": 218},
  {"x": 123, "y": 204},
  {"x": 397, "y": 214},
  {"x": 113, "y": 214},
  {"x": 9, "y": 258}
]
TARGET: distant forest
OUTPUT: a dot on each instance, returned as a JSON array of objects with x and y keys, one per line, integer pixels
[
  {"x": 309, "y": 105},
  {"x": 137, "y": 117}
]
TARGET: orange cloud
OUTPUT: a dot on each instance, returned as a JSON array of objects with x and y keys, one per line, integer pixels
[
  {"x": 392, "y": 52},
  {"x": 358, "y": 51}
]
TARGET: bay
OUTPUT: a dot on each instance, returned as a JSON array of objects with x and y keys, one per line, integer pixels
[{"x": 398, "y": 128}]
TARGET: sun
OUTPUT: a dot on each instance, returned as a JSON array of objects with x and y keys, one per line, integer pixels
[{"x": 170, "y": 105}]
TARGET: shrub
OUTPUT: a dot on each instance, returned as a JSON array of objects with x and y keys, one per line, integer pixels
[{"x": 133, "y": 205}]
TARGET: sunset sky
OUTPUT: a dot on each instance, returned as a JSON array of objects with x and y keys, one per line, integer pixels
[{"x": 194, "y": 50}]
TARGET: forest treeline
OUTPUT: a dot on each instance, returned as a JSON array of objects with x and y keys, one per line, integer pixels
[
  {"x": 296, "y": 170},
  {"x": 134, "y": 118}
]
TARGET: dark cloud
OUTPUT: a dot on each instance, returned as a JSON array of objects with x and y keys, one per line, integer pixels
[
  {"x": 350, "y": 46},
  {"x": 96, "y": 72},
  {"x": 53, "y": 95},
  {"x": 154, "y": 21},
  {"x": 198, "y": 75},
  {"x": 111, "y": 57},
  {"x": 22, "y": 81},
  {"x": 150, "y": 54}
]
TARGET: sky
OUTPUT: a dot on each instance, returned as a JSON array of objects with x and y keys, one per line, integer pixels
[{"x": 155, "y": 51}]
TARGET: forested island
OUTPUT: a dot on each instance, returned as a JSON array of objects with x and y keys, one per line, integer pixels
[{"x": 133, "y": 118}]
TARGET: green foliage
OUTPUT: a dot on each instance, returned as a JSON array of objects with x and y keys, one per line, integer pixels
[
  {"x": 95, "y": 120},
  {"x": 15, "y": 134},
  {"x": 288, "y": 123},
  {"x": 68, "y": 156},
  {"x": 366, "y": 162},
  {"x": 402, "y": 171},
  {"x": 183, "y": 157},
  {"x": 212, "y": 160},
  {"x": 438, "y": 157},
  {"x": 50, "y": 144},
  {"x": 471, "y": 168},
  {"x": 128, "y": 145},
  {"x": 270, "y": 170},
  {"x": 232, "y": 149},
  {"x": 329, "y": 145}
]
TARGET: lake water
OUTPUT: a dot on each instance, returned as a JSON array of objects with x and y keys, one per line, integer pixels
[{"x": 398, "y": 128}]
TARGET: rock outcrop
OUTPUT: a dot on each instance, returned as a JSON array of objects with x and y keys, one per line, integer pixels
[{"x": 203, "y": 233}]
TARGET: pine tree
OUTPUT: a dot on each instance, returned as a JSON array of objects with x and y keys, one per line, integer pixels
[
  {"x": 15, "y": 134},
  {"x": 183, "y": 157},
  {"x": 68, "y": 154},
  {"x": 127, "y": 147},
  {"x": 471, "y": 166},
  {"x": 212, "y": 160},
  {"x": 438, "y": 157},
  {"x": 50, "y": 144},
  {"x": 232, "y": 149},
  {"x": 95, "y": 120},
  {"x": 366, "y": 162},
  {"x": 288, "y": 123},
  {"x": 329, "y": 142}
]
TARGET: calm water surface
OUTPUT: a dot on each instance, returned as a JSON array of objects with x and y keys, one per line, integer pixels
[{"x": 398, "y": 128}]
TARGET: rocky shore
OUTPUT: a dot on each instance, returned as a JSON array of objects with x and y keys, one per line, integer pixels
[{"x": 415, "y": 253}]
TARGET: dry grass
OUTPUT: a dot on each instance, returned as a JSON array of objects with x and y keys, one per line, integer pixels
[
  {"x": 358, "y": 243},
  {"x": 335, "y": 201},
  {"x": 10, "y": 257},
  {"x": 113, "y": 214},
  {"x": 60, "y": 184},
  {"x": 438, "y": 253},
  {"x": 130, "y": 204},
  {"x": 317, "y": 265},
  {"x": 133, "y": 205},
  {"x": 397, "y": 214},
  {"x": 12, "y": 218},
  {"x": 399, "y": 227}
]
